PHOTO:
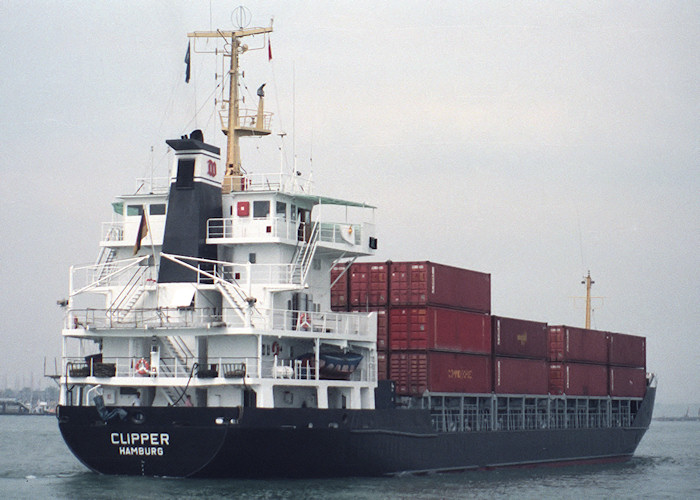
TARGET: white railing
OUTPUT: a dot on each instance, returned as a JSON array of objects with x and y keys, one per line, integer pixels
[
  {"x": 126, "y": 367},
  {"x": 243, "y": 274},
  {"x": 154, "y": 185},
  {"x": 142, "y": 318},
  {"x": 282, "y": 322},
  {"x": 342, "y": 324},
  {"x": 114, "y": 273},
  {"x": 277, "y": 227},
  {"x": 126, "y": 231},
  {"x": 287, "y": 183},
  {"x": 247, "y": 118},
  {"x": 230, "y": 368}
]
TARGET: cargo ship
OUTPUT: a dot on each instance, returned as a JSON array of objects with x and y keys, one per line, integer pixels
[{"x": 228, "y": 329}]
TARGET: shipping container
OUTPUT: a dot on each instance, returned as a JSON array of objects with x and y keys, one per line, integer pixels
[
  {"x": 568, "y": 343},
  {"x": 578, "y": 379},
  {"x": 429, "y": 284},
  {"x": 520, "y": 376},
  {"x": 369, "y": 284},
  {"x": 418, "y": 328},
  {"x": 434, "y": 371},
  {"x": 382, "y": 366},
  {"x": 628, "y": 350},
  {"x": 627, "y": 382},
  {"x": 519, "y": 338},
  {"x": 339, "y": 290},
  {"x": 382, "y": 324}
]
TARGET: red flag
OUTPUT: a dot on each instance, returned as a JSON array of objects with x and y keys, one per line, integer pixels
[{"x": 269, "y": 50}]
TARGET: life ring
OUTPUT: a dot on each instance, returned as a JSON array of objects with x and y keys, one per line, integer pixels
[{"x": 142, "y": 367}]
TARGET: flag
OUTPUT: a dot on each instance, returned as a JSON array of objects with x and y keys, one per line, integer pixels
[
  {"x": 143, "y": 231},
  {"x": 269, "y": 50},
  {"x": 187, "y": 61}
]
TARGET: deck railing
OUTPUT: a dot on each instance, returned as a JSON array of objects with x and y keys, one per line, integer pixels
[
  {"x": 306, "y": 323},
  {"x": 341, "y": 233},
  {"x": 230, "y": 368}
]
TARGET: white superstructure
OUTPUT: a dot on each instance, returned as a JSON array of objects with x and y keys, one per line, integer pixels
[{"x": 250, "y": 326}]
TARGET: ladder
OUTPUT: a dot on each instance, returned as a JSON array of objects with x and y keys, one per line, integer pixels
[{"x": 303, "y": 257}]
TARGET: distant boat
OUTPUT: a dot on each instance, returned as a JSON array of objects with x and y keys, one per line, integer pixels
[{"x": 13, "y": 406}]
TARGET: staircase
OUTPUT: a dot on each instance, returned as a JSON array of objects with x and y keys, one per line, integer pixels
[
  {"x": 177, "y": 348},
  {"x": 124, "y": 303},
  {"x": 303, "y": 258},
  {"x": 104, "y": 262},
  {"x": 235, "y": 296}
]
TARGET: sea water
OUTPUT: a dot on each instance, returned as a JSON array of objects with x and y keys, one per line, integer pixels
[{"x": 35, "y": 463}]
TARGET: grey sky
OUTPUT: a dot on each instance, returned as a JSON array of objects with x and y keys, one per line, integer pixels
[{"x": 530, "y": 140}]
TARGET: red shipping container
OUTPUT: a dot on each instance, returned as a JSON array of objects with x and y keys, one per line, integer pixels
[
  {"x": 434, "y": 371},
  {"x": 339, "y": 290},
  {"x": 382, "y": 366},
  {"x": 519, "y": 338},
  {"x": 627, "y": 382},
  {"x": 369, "y": 284},
  {"x": 382, "y": 326},
  {"x": 418, "y": 328},
  {"x": 429, "y": 284},
  {"x": 578, "y": 379},
  {"x": 520, "y": 376},
  {"x": 628, "y": 350},
  {"x": 568, "y": 343}
]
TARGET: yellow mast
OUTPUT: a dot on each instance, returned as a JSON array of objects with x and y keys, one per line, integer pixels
[
  {"x": 235, "y": 126},
  {"x": 588, "y": 282}
]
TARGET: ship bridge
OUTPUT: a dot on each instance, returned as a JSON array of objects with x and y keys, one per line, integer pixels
[{"x": 274, "y": 208}]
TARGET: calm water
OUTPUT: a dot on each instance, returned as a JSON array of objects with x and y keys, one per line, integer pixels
[{"x": 34, "y": 463}]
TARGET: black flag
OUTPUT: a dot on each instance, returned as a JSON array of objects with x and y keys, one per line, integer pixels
[{"x": 187, "y": 61}]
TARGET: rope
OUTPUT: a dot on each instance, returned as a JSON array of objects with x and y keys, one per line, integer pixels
[{"x": 194, "y": 365}]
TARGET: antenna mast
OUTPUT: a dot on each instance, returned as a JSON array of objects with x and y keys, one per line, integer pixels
[
  {"x": 588, "y": 282},
  {"x": 254, "y": 122}
]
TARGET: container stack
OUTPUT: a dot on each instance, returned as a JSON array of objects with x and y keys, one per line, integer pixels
[
  {"x": 435, "y": 333},
  {"x": 627, "y": 365},
  {"x": 595, "y": 363},
  {"x": 433, "y": 323},
  {"x": 578, "y": 361},
  {"x": 519, "y": 356}
]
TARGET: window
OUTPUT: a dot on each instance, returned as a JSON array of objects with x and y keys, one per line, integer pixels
[
  {"x": 157, "y": 209},
  {"x": 134, "y": 209},
  {"x": 252, "y": 258},
  {"x": 293, "y": 213},
  {"x": 185, "y": 174},
  {"x": 261, "y": 209},
  {"x": 281, "y": 209}
]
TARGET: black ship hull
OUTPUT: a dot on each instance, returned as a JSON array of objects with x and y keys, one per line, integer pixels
[{"x": 250, "y": 442}]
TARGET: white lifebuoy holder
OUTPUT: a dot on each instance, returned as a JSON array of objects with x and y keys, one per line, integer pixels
[
  {"x": 142, "y": 367},
  {"x": 304, "y": 322}
]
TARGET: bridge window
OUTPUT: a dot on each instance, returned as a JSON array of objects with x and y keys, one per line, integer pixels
[
  {"x": 281, "y": 210},
  {"x": 157, "y": 209},
  {"x": 134, "y": 209},
  {"x": 261, "y": 209}
]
